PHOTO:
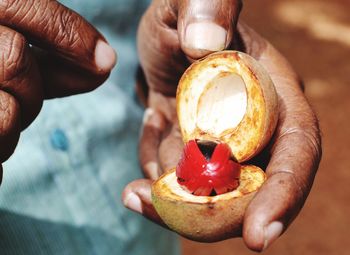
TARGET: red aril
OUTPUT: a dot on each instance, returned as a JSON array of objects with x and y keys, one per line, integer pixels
[{"x": 203, "y": 176}]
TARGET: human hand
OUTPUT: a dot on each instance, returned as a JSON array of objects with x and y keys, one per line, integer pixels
[
  {"x": 292, "y": 157},
  {"x": 66, "y": 56}
]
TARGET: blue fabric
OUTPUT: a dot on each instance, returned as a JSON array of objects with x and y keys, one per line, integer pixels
[{"x": 62, "y": 187}]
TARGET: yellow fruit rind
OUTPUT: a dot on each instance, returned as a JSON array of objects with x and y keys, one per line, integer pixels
[
  {"x": 205, "y": 218},
  {"x": 251, "y": 135}
]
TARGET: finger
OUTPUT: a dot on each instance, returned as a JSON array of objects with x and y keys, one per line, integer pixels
[
  {"x": 206, "y": 26},
  {"x": 289, "y": 178},
  {"x": 61, "y": 78},
  {"x": 1, "y": 174},
  {"x": 54, "y": 27},
  {"x": 10, "y": 125},
  {"x": 153, "y": 126},
  {"x": 141, "y": 87},
  {"x": 161, "y": 57},
  {"x": 137, "y": 197},
  {"x": 294, "y": 162},
  {"x": 19, "y": 74},
  {"x": 290, "y": 174},
  {"x": 170, "y": 149}
]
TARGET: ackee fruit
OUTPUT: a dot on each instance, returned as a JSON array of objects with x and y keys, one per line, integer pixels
[{"x": 227, "y": 104}]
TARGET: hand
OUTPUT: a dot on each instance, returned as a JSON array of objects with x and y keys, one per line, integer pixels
[
  {"x": 294, "y": 153},
  {"x": 66, "y": 56}
]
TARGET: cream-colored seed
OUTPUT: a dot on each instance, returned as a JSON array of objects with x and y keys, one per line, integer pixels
[{"x": 222, "y": 104}]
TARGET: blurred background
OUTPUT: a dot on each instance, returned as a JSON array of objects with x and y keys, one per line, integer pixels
[{"x": 315, "y": 36}]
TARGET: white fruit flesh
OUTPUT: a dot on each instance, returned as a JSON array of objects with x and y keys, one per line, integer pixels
[{"x": 222, "y": 104}]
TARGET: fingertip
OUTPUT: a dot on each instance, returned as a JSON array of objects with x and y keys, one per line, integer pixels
[
  {"x": 152, "y": 170},
  {"x": 253, "y": 233},
  {"x": 271, "y": 211},
  {"x": 127, "y": 190},
  {"x": 137, "y": 197},
  {"x": 153, "y": 125},
  {"x": 132, "y": 202},
  {"x": 105, "y": 56},
  {"x": 1, "y": 174},
  {"x": 259, "y": 237},
  {"x": 141, "y": 188},
  {"x": 202, "y": 38},
  {"x": 153, "y": 118},
  {"x": 207, "y": 26},
  {"x": 131, "y": 197},
  {"x": 271, "y": 232},
  {"x": 147, "y": 115}
]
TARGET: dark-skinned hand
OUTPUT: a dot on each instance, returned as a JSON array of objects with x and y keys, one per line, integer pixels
[
  {"x": 171, "y": 35},
  {"x": 46, "y": 51}
]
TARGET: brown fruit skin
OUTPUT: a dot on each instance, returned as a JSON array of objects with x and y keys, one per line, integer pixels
[
  {"x": 205, "y": 219},
  {"x": 257, "y": 126}
]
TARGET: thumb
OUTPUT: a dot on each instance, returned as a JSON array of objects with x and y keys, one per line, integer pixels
[
  {"x": 206, "y": 26},
  {"x": 137, "y": 197}
]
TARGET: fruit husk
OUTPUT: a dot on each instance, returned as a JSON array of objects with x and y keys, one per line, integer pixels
[
  {"x": 215, "y": 218},
  {"x": 205, "y": 218},
  {"x": 254, "y": 131}
]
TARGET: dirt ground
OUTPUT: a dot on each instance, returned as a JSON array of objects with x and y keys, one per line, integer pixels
[{"x": 315, "y": 36}]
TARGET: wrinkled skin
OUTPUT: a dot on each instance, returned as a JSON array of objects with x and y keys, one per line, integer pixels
[
  {"x": 62, "y": 61},
  {"x": 292, "y": 157}
]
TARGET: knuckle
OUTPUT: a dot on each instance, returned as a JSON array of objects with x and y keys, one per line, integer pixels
[
  {"x": 9, "y": 127},
  {"x": 13, "y": 58},
  {"x": 8, "y": 112}
]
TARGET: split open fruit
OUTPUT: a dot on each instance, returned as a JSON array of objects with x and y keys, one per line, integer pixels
[{"x": 226, "y": 99}]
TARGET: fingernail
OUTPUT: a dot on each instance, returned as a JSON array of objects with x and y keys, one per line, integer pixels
[
  {"x": 205, "y": 35},
  {"x": 149, "y": 112},
  {"x": 133, "y": 202},
  {"x": 152, "y": 169},
  {"x": 105, "y": 56},
  {"x": 152, "y": 118},
  {"x": 272, "y": 232}
]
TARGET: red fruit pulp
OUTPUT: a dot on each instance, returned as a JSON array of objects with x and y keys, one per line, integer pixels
[{"x": 204, "y": 177}]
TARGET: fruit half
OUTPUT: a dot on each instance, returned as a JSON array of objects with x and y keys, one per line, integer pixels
[
  {"x": 228, "y": 97},
  {"x": 205, "y": 218}
]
